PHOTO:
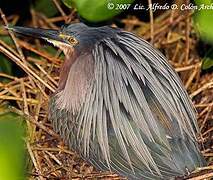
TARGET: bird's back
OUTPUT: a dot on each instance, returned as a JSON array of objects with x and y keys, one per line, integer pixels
[{"x": 133, "y": 115}]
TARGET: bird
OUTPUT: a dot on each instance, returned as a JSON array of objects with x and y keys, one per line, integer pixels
[{"x": 120, "y": 105}]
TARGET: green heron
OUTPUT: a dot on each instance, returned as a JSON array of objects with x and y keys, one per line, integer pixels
[{"x": 120, "y": 105}]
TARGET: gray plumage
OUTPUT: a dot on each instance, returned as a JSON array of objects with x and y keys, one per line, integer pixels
[{"x": 122, "y": 107}]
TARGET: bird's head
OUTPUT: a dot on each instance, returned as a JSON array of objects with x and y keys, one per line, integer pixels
[{"x": 66, "y": 38}]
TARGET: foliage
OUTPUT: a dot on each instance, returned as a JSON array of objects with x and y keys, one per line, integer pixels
[
  {"x": 46, "y": 6},
  {"x": 203, "y": 20},
  {"x": 5, "y": 64},
  {"x": 207, "y": 62},
  {"x": 12, "y": 154},
  {"x": 98, "y": 10}
]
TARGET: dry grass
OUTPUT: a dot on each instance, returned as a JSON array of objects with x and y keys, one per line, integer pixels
[{"x": 172, "y": 32}]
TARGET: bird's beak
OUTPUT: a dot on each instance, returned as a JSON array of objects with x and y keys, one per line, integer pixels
[{"x": 52, "y": 36}]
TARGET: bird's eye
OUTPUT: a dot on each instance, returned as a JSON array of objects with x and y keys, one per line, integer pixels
[{"x": 72, "y": 40}]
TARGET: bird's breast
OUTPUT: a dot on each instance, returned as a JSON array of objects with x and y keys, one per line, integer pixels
[{"x": 75, "y": 80}]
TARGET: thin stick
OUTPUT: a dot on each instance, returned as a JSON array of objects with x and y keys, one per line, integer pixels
[
  {"x": 8, "y": 76},
  {"x": 13, "y": 37},
  {"x": 54, "y": 158},
  {"x": 26, "y": 110},
  {"x": 202, "y": 177},
  {"x": 23, "y": 92},
  {"x": 151, "y": 22},
  {"x": 51, "y": 25},
  {"x": 42, "y": 54},
  {"x": 203, "y": 105},
  {"x": 53, "y": 150},
  {"x": 25, "y": 67},
  {"x": 204, "y": 87},
  {"x": 10, "y": 90},
  {"x": 46, "y": 129},
  {"x": 186, "y": 68},
  {"x": 187, "y": 34},
  {"x": 191, "y": 77},
  {"x": 60, "y": 10},
  {"x": 34, "y": 160},
  {"x": 9, "y": 48},
  {"x": 47, "y": 75},
  {"x": 56, "y": 19},
  {"x": 206, "y": 118},
  {"x": 31, "y": 101}
]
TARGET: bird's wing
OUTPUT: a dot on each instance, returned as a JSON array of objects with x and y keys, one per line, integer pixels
[
  {"x": 127, "y": 105},
  {"x": 139, "y": 97}
]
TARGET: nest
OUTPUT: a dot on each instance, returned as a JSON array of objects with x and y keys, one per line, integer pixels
[{"x": 172, "y": 32}]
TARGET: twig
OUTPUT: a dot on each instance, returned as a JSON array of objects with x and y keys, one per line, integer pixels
[
  {"x": 46, "y": 129},
  {"x": 203, "y": 105},
  {"x": 206, "y": 118},
  {"x": 48, "y": 162},
  {"x": 208, "y": 131},
  {"x": 191, "y": 77},
  {"x": 47, "y": 75},
  {"x": 8, "y": 76},
  {"x": 34, "y": 160},
  {"x": 60, "y": 10},
  {"x": 9, "y": 48},
  {"x": 187, "y": 34},
  {"x": 23, "y": 92},
  {"x": 50, "y": 24},
  {"x": 56, "y": 19},
  {"x": 25, "y": 67},
  {"x": 151, "y": 22},
  {"x": 54, "y": 158},
  {"x": 186, "y": 68},
  {"x": 31, "y": 101},
  {"x": 204, "y": 87},
  {"x": 53, "y": 149},
  {"x": 40, "y": 53},
  {"x": 13, "y": 37},
  {"x": 202, "y": 177}
]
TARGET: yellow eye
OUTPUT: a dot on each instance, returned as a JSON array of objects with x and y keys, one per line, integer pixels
[{"x": 72, "y": 40}]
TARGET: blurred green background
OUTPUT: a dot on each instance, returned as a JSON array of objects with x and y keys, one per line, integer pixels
[
  {"x": 93, "y": 12},
  {"x": 12, "y": 146}
]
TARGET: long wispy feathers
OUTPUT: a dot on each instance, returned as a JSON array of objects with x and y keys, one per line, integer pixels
[{"x": 129, "y": 112}]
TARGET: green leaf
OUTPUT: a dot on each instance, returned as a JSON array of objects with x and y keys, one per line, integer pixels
[
  {"x": 46, "y": 6},
  {"x": 200, "y": 2},
  {"x": 68, "y": 3},
  {"x": 5, "y": 65},
  {"x": 207, "y": 63},
  {"x": 98, "y": 10},
  {"x": 50, "y": 49},
  {"x": 12, "y": 153},
  {"x": 7, "y": 39},
  {"x": 203, "y": 20}
]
